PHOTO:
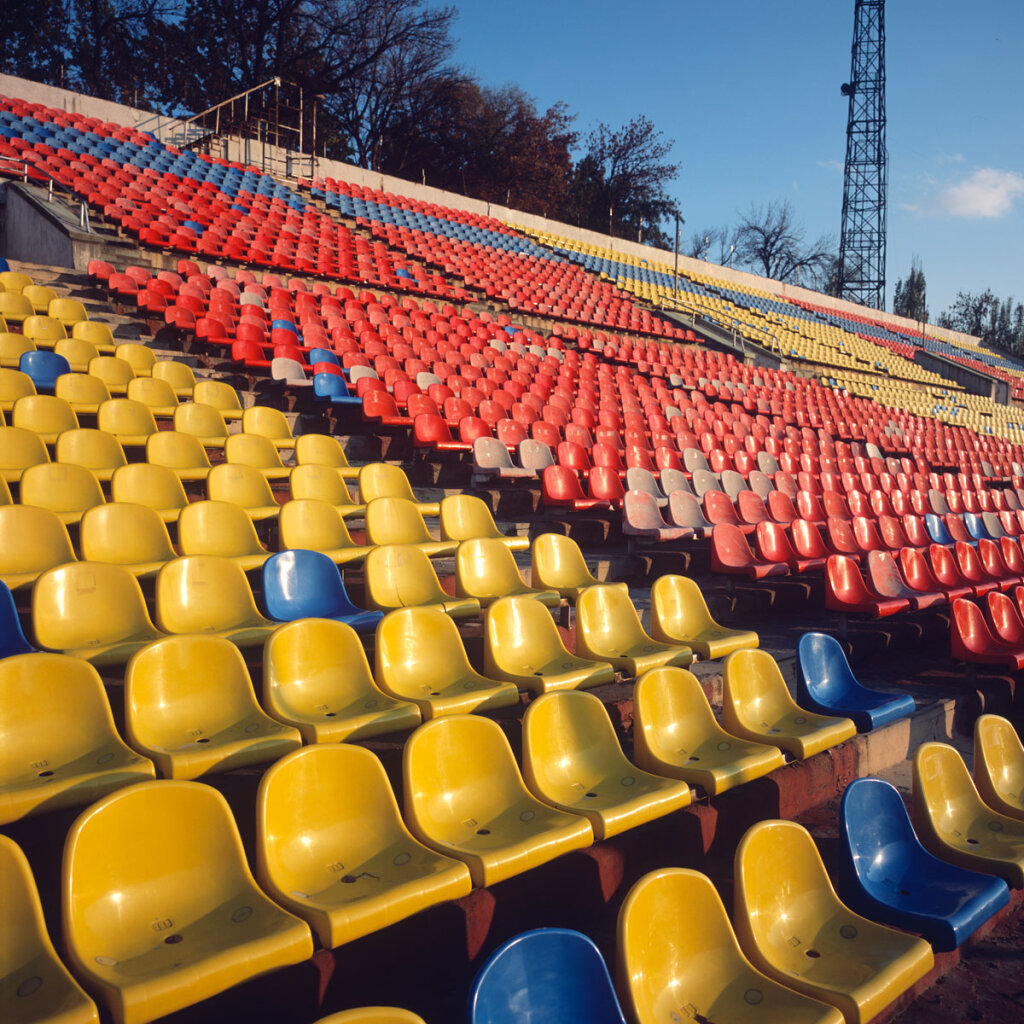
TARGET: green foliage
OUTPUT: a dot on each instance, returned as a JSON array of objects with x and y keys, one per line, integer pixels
[
  {"x": 998, "y": 322},
  {"x": 910, "y": 296}
]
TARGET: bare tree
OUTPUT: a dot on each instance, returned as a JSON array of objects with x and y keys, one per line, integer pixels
[
  {"x": 771, "y": 242},
  {"x": 712, "y": 245}
]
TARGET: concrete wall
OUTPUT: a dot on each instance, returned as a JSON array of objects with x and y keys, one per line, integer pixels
[{"x": 30, "y": 235}]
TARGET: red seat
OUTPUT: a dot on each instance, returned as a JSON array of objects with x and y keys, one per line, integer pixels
[
  {"x": 718, "y": 508},
  {"x": 773, "y": 545},
  {"x": 380, "y": 406},
  {"x": 846, "y": 591},
  {"x": 1006, "y": 619},
  {"x": 606, "y": 486},
  {"x": 781, "y": 508},
  {"x": 842, "y": 541},
  {"x": 957, "y": 529},
  {"x": 972, "y": 570},
  {"x": 918, "y": 576},
  {"x": 809, "y": 507},
  {"x": 914, "y": 529},
  {"x": 835, "y": 505},
  {"x": 865, "y": 533},
  {"x": 751, "y": 509},
  {"x": 430, "y": 431},
  {"x": 971, "y": 640},
  {"x": 885, "y": 577},
  {"x": 991, "y": 557},
  {"x": 730, "y": 554},
  {"x": 572, "y": 456},
  {"x": 892, "y": 533},
  {"x": 560, "y": 487},
  {"x": 947, "y": 571},
  {"x": 807, "y": 541}
]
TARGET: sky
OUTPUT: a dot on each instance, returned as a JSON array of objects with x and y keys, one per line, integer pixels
[{"x": 749, "y": 92}]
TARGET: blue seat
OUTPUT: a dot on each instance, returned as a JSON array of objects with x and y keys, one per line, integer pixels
[
  {"x": 323, "y": 355},
  {"x": 330, "y": 387},
  {"x": 976, "y": 527},
  {"x": 12, "y": 637},
  {"x": 547, "y": 976},
  {"x": 887, "y": 875},
  {"x": 825, "y": 684},
  {"x": 44, "y": 368},
  {"x": 300, "y": 584},
  {"x": 937, "y": 529}
]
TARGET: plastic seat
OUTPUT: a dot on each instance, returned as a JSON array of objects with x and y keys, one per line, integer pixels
[
  {"x": 12, "y": 347},
  {"x": 999, "y": 765},
  {"x": 190, "y": 706},
  {"x": 485, "y": 569},
  {"x": 96, "y": 333},
  {"x": 223, "y": 529},
  {"x": 14, "y": 386},
  {"x": 846, "y": 591},
  {"x": 300, "y": 584},
  {"x": 318, "y": 526},
  {"x": 155, "y": 394},
  {"x": 888, "y": 876},
  {"x": 971, "y": 640},
  {"x": 731, "y": 555},
  {"x": 125, "y": 534},
  {"x": 372, "y": 1015},
  {"x": 220, "y": 395},
  {"x": 67, "y": 310},
  {"x": 269, "y": 423},
  {"x": 140, "y": 357},
  {"x": 392, "y": 520},
  {"x": 156, "y": 487},
  {"x": 401, "y": 576},
  {"x": 99, "y": 452},
  {"x": 465, "y": 517},
  {"x": 179, "y": 375},
  {"x": 317, "y": 679},
  {"x": 824, "y": 683},
  {"x": 43, "y": 368},
  {"x": 32, "y": 540},
  {"x": 202, "y": 421},
  {"x": 19, "y": 449},
  {"x": 244, "y": 486},
  {"x": 170, "y": 853},
  {"x": 546, "y": 976},
  {"x": 64, "y": 488},
  {"x": 380, "y": 480},
  {"x": 756, "y": 705},
  {"x": 131, "y": 422},
  {"x": 302, "y": 838},
  {"x": 323, "y": 483},
  {"x": 679, "y": 957},
  {"x": 182, "y": 453},
  {"x": 420, "y": 658},
  {"x": 91, "y": 610},
  {"x": 679, "y": 615},
  {"x": 794, "y": 928},
  {"x": 324, "y": 450},
  {"x": 675, "y": 734},
  {"x": 558, "y": 564},
  {"x": 83, "y": 392},
  {"x": 12, "y": 637},
  {"x": 464, "y": 795},
  {"x": 34, "y": 985},
  {"x": 45, "y": 415},
  {"x": 641, "y": 519},
  {"x": 257, "y": 451},
  {"x": 955, "y": 824}
]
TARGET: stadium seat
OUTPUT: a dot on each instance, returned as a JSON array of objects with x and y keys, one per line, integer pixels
[
  {"x": 756, "y": 705},
  {"x": 179, "y": 375},
  {"x": 546, "y": 976},
  {"x": 317, "y": 679},
  {"x": 67, "y": 310},
  {"x": 223, "y": 529},
  {"x": 787, "y": 913},
  {"x": 558, "y": 564},
  {"x": 202, "y": 421},
  {"x": 96, "y": 333},
  {"x": 122, "y": 533},
  {"x": 420, "y": 658},
  {"x": 182, "y": 453},
  {"x": 220, "y": 395},
  {"x": 372, "y": 1015},
  {"x": 32, "y": 540},
  {"x": 485, "y": 569},
  {"x": 318, "y": 526},
  {"x": 19, "y": 449},
  {"x": 43, "y": 368},
  {"x": 677, "y": 948},
  {"x": 12, "y": 637},
  {"x": 156, "y": 487},
  {"x": 465, "y": 517},
  {"x": 99, "y": 452},
  {"x": 401, "y": 576},
  {"x": 679, "y": 615},
  {"x": 13, "y": 346},
  {"x": 324, "y": 450},
  {"x": 157, "y": 395},
  {"x": 889, "y": 877},
  {"x": 45, "y": 415},
  {"x": 140, "y": 357},
  {"x": 675, "y": 734},
  {"x": 269, "y": 423},
  {"x": 971, "y": 640},
  {"x": 380, "y": 480},
  {"x": 324, "y": 483},
  {"x": 642, "y": 519},
  {"x": 846, "y": 591},
  {"x": 244, "y": 486},
  {"x": 63, "y": 488},
  {"x": 132, "y": 423},
  {"x": 464, "y": 795},
  {"x": 14, "y": 386},
  {"x": 257, "y": 451},
  {"x": 391, "y": 520},
  {"x": 170, "y": 853},
  {"x": 301, "y": 839},
  {"x": 999, "y": 765}
]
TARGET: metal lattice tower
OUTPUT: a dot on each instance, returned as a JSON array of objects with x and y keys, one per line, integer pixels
[{"x": 861, "y": 272}]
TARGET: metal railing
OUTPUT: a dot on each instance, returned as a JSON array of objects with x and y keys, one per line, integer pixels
[{"x": 75, "y": 204}]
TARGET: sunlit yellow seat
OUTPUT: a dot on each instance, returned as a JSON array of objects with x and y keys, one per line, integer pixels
[
  {"x": 13, "y": 346},
  {"x": 140, "y": 357},
  {"x": 401, "y": 576},
  {"x": 64, "y": 488},
  {"x": 35, "y": 987},
  {"x": 572, "y": 759},
  {"x": 257, "y": 451},
  {"x": 608, "y": 629},
  {"x": 39, "y": 295},
  {"x": 182, "y": 453},
  {"x": 115, "y": 373},
  {"x": 323, "y": 483},
  {"x": 372, "y": 1015},
  {"x": 796, "y": 930},
  {"x": 220, "y": 528},
  {"x": 464, "y": 796},
  {"x": 558, "y": 563},
  {"x": 675, "y": 734},
  {"x": 59, "y": 745},
  {"x": 14, "y": 307},
  {"x": 210, "y": 595},
  {"x": 32, "y": 540},
  {"x": 757, "y": 706},
  {"x": 82, "y": 391},
  {"x": 44, "y": 330},
  {"x": 19, "y": 449},
  {"x": 465, "y": 517},
  {"x": 202, "y": 421},
  {"x": 67, "y": 310},
  {"x": 126, "y": 534},
  {"x": 156, "y": 487},
  {"x": 316, "y": 678},
  {"x": 160, "y": 908},
  {"x": 190, "y": 706},
  {"x": 99, "y": 452},
  {"x": 398, "y": 521},
  {"x": 45, "y": 415},
  {"x": 324, "y": 450},
  {"x": 522, "y": 644},
  {"x": 220, "y": 395},
  {"x": 14, "y": 385},
  {"x": 157, "y": 394},
  {"x": 131, "y": 422},
  {"x": 998, "y": 764},
  {"x": 420, "y": 658},
  {"x": 954, "y": 823},
  {"x": 679, "y": 959},
  {"x": 244, "y": 486},
  {"x": 380, "y": 480},
  {"x": 680, "y": 615},
  {"x": 98, "y": 334},
  {"x": 269, "y": 423},
  {"x": 486, "y": 569},
  {"x": 178, "y": 374},
  {"x": 317, "y": 526},
  {"x": 302, "y": 839}
]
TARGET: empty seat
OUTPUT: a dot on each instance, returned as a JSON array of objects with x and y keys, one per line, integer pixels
[
  {"x": 323, "y": 450},
  {"x": 323, "y": 483},
  {"x": 154, "y": 393},
  {"x": 485, "y": 569},
  {"x": 67, "y": 310},
  {"x": 679, "y": 615},
  {"x": 464, "y": 795},
  {"x": 167, "y": 856},
  {"x": 398, "y": 521},
  {"x": 244, "y": 486},
  {"x": 15, "y": 385},
  {"x": 131, "y": 422},
  {"x": 63, "y": 488},
  {"x": 32, "y": 540},
  {"x": 465, "y": 517},
  {"x": 318, "y": 526},
  {"x": 558, "y": 564},
  {"x": 182, "y": 453},
  {"x": 140, "y": 357},
  {"x": 126, "y": 534},
  {"x": 156, "y": 487},
  {"x": 401, "y": 576},
  {"x": 19, "y": 449},
  {"x": 675, "y": 734},
  {"x": 179, "y": 375},
  {"x": 43, "y": 368},
  {"x": 220, "y": 528},
  {"x": 269, "y": 423},
  {"x": 45, "y": 415},
  {"x": 220, "y": 395},
  {"x": 380, "y": 480},
  {"x": 999, "y": 765},
  {"x": 257, "y": 451},
  {"x": 202, "y": 421},
  {"x": 99, "y": 452}
]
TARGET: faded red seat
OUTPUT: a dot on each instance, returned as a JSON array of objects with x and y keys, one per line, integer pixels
[
  {"x": 971, "y": 640},
  {"x": 846, "y": 591},
  {"x": 731, "y": 555},
  {"x": 885, "y": 577}
]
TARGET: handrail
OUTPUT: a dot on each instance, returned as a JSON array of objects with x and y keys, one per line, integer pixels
[{"x": 83, "y": 206}]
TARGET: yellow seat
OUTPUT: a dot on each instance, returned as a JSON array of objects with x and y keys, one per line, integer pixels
[
  {"x": 68, "y": 311},
  {"x": 14, "y": 385},
  {"x": 302, "y": 839},
  {"x": 32, "y": 540},
  {"x": 99, "y": 452},
  {"x": 19, "y": 449},
  {"x": 244, "y": 486},
  {"x": 141, "y": 358},
  {"x": 160, "y": 908},
  {"x": 115, "y": 373},
  {"x": 954, "y": 823},
  {"x": 181, "y": 453},
  {"x": 679, "y": 959},
  {"x": 269, "y": 423},
  {"x": 156, "y": 487},
  {"x": 795, "y": 929},
  {"x": 190, "y": 706},
  {"x": 256, "y": 451},
  {"x": 15, "y": 308},
  {"x": 420, "y": 658},
  {"x": 998, "y": 765},
  {"x": 317, "y": 526},
  {"x": 372, "y": 1015},
  {"x": 398, "y": 521},
  {"x": 39, "y": 295},
  {"x": 96, "y": 333},
  {"x": 14, "y": 281},
  {"x": 609, "y": 629},
  {"x": 486, "y": 569},
  {"x": 464, "y": 796},
  {"x": 522, "y": 644},
  {"x": 63, "y": 488},
  {"x": 680, "y": 615},
  {"x": 401, "y": 576},
  {"x": 210, "y": 595},
  {"x": 220, "y": 528},
  {"x": 323, "y": 483},
  {"x": 316, "y": 678},
  {"x": 465, "y": 517},
  {"x": 13, "y": 347},
  {"x": 572, "y": 759},
  {"x": 157, "y": 394},
  {"x": 77, "y": 352},
  {"x": 93, "y": 611},
  {"x": 202, "y": 421},
  {"x": 757, "y": 706},
  {"x": 179, "y": 375},
  {"x": 82, "y": 391},
  {"x": 45, "y": 331},
  {"x": 558, "y": 563},
  {"x": 34, "y": 985},
  {"x": 380, "y": 480},
  {"x": 675, "y": 734},
  {"x": 323, "y": 450},
  {"x": 131, "y": 422},
  {"x": 45, "y": 415},
  {"x": 123, "y": 533},
  {"x": 220, "y": 395}
]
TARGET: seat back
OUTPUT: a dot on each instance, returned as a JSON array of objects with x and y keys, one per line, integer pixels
[
  {"x": 823, "y": 672},
  {"x": 672, "y": 714},
  {"x": 485, "y": 568},
  {"x": 464, "y": 517},
  {"x": 322, "y": 482},
  {"x": 126, "y": 419},
  {"x": 45, "y": 415},
  {"x": 380, "y": 480},
  {"x": 558, "y": 564},
  {"x": 754, "y": 689},
  {"x": 94, "y": 449},
  {"x": 312, "y": 524},
  {"x": 678, "y": 609},
  {"x": 203, "y": 594},
  {"x": 157, "y": 394},
  {"x": 217, "y": 528},
  {"x": 63, "y": 488},
  {"x": 999, "y": 764},
  {"x": 945, "y": 798},
  {"x": 125, "y": 534},
  {"x": 607, "y": 622},
  {"x": 252, "y": 450},
  {"x": 419, "y": 651},
  {"x": 241, "y": 485},
  {"x": 156, "y": 487},
  {"x": 267, "y": 422},
  {"x": 519, "y": 636},
  {"x": 200, "y": 420},
  {"x": 400, "y": 575},
  {"x": 32, "y": 540},
  {"x": 218, "y": 394},
  {"x": 392, "y": 520},
  {"x": 301, "y": 584},
  {"x": 178, "y": 451}
]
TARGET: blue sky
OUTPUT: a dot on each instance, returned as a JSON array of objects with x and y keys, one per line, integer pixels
[{"x": 749, "y": 91}]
